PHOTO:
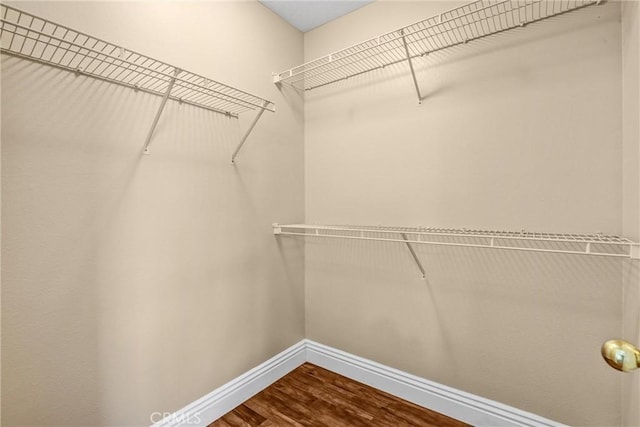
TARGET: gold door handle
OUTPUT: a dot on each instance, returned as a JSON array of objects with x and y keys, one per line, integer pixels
[{"x": 621, "y": 355}]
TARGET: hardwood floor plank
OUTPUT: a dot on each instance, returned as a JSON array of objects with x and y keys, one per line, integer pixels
[
  {"x": 220, "y": 423},
  {"x": 334, "y": 415},
  {"x": 311, "y": 396},
  {"x": 271, "y": 413},
  {"x": 297, "y": 391},
  {"x": 339, "y": 384},
  {"x": 280, "y": 402},
  {"x": 350, "y": 403},
  {"x": 249, "y": 415},
  {"x": 367, "y": 399},
  {"x": 234, "y": 420}
]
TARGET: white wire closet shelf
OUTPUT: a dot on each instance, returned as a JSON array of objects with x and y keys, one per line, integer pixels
[
  {"x": 457, "y": 26},
  {"x": 566, "y": 243},
  {"x": 28, "y": 36}
]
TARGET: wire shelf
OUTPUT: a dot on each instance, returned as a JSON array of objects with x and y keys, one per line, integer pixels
[
  {"x": 567, "y": 243},
  {"x": 457, "y": 26},
  {"x": 28, "y": 36}
]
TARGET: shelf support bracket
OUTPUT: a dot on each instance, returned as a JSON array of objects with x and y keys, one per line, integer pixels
[
  {"x": 246, "y": 134},
  {"x": 413, "y": 73},
  {"x": 413, "y": 254},
  {"x": 165, "y": 98}
]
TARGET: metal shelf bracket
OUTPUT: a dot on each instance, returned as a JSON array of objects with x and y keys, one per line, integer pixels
[
  {"x": 249, "y": 130},
  {"x": 413, "y": 73},
  {"x": 165, "y": 98},
  {"x": 413, "y": 254}
]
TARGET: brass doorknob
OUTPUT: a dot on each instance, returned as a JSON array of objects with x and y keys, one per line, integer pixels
[{"x": 621, "y": 355}]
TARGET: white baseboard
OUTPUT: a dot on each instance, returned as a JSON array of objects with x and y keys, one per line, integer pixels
[
  {"x": 209, "y": 408},
  {"x": 458, "y": 404}
]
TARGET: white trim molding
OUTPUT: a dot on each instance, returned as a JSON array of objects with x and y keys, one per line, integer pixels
[
  {"x": 209, "y": 408},
  {"x": 449, "y": 401},
  {"x": 457, "y": 404}
]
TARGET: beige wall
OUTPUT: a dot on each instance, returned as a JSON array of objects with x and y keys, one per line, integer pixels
[
  {"x": 631, "y": 186},
  {"x": 522, "y": 130},
  {"x": 138, "y": 284},
  {"x": 133, "y": 285}
]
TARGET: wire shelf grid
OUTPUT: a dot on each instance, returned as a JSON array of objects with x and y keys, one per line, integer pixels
[
  {"x": 28, "y": 36},
  {"x": 457, "y": 26},
  {"x": 571, "y": 243}
]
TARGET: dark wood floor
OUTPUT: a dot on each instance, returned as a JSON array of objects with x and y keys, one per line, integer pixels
[{"x": 312, "y": 396}]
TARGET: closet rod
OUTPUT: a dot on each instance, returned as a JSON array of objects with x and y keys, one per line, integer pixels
[{"x": 31, "y": 37}]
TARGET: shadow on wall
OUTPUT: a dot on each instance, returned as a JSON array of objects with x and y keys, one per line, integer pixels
[
  {"x": 295, "y": 97},
  {"x": 63, "y": 180},
  {"x": 485, "y": 321},
  {"x": 93, "y": 233}
]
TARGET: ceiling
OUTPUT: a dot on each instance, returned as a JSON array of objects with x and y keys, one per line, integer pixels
[{"x": 308, "y": 14}]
